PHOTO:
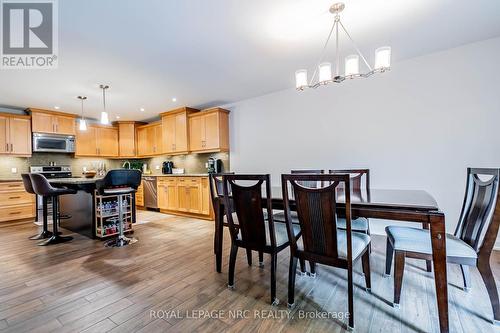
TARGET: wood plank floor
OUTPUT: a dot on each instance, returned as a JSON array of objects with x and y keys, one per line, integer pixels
[{"x": 167, "y": 279}]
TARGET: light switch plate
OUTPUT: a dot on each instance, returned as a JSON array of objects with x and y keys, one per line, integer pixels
[
  {"x": 157, "y": 167},
  {"x": 13, "y": 170}
]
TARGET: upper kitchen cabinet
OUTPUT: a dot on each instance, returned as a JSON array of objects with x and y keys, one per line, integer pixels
[
  {"x": 127, "y": 139},
  {"x": 44, "y": 121},
  {"x": 209, "y": 130},
  {"x": 97, "y": 140},
  {"x": 15, "y": 135},
  {"x": 149, "y": 139},
  {"x": 175, "y": 130}
]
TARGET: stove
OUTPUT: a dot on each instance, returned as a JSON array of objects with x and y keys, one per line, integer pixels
[{"x": 51, "y": 172}]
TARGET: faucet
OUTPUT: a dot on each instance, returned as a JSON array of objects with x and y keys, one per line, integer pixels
[{"x": 125, "y": 163}]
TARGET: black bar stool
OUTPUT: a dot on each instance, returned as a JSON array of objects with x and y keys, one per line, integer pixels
[
  {"x": 119, "y": 182},
  {"x": 41, "y": 186},
  {"x": 29, "y": 188}
]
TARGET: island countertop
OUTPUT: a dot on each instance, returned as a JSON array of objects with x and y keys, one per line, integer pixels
[{"x": 74, "y": 181}]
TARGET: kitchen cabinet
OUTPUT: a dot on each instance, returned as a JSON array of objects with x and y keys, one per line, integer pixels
[
  {"x": 175, "y": 130},
  {"x": 139, "y": 196},
  {"x": 149, "y": 139},
  {"x": 44, "y": 121},
  {"x": 97, "y": 140},
  {"x": 127, "y": 140},
  {"x": 209, "y": 131},
  {"x": 15, "y": 202},
  {"x": 15, "y": 135},
  {"x": 185, "y": 195}
]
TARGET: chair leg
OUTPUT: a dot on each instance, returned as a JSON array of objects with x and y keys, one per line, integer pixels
[
  {"x": 399, "y": 267},
  {"x": 249, "y": 257},
  {"x": 365, "y": 259},
  {"x": 350, "y": 295},
  {"x": 291, "y": 281},
  {"x": 302, "y": 266},
  {"x": 274, "y": 261},
  {"x": 466, "y": 277},
  {"x": 232, "y": 264},
  {"x": 489, "y": 281},
  {"x": 389, "y": 253},
  {"x": 261, "y": 259},
  {"x": 428, "y": 263},
  {"x": 312, "y": 265},
  {"x": 45, "y": 230}
]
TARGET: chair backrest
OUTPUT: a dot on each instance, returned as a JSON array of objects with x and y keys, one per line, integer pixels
[
  {"x": 119, "y": 178},
  {"x": 27, "y": 183},
  {"x": 216, "y": 186},
  {"x": 359, "y": 179},
  {"x": 480, "y": 216},
  {"x": 248, "y": 204},
  {"x": 41, "y": 185},
  {"x": 317, "y": 214},
  {"x": 307, "y": 172}
]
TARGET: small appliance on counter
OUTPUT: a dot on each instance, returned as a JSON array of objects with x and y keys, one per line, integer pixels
[
  {"x": 177, "y": 171},
  {"x": 167, "y": 167},
  {"x": 214, "y": 165}
]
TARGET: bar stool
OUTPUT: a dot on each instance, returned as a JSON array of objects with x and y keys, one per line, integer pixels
[
  {"x": 29, "y": 188},
  {"x": 119, "y": 182},
  {"x": 41, "y": 186}
]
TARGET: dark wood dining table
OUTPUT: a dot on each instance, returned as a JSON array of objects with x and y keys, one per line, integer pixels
[{"x": 395, "y": 205}]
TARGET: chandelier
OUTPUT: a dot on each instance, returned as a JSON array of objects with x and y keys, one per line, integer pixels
[{"x": 323, "y": 72}]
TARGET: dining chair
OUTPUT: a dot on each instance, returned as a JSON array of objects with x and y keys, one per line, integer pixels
[
  {"x": 470, "y": 245},
  {"x": 280, "y": 216},
  {"x": 360, "y": 187},
  {"x": 323, "y": 242},
  {"x": 253, "y": 232},
  {"x": 215, "y": 185}
]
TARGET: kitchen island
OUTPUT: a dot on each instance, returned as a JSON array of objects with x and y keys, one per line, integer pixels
[{"x": 82, "y": 206}]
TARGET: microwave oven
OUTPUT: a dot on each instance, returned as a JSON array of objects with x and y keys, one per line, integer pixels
[{"x": 53, "y": 143}]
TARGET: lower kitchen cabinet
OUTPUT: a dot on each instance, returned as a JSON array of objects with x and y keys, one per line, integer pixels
[
  {"x": 15, "y": 202},
  {"x": 185, "y": 195},
  {"x": 139, "y": 196}
]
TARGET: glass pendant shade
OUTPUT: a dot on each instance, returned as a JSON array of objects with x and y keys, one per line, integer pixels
[
  {"x": 83, "y": 125},
  {"x": 325, "y": 72},
  {"x": 352, "y": 65},
  {"x": 301, "y": 78},
  {"x": 104, "y": 118},
  {"x": 383, "y": 57}
]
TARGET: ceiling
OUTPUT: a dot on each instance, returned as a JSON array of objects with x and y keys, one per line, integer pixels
[{"x": 208, "y": 53}]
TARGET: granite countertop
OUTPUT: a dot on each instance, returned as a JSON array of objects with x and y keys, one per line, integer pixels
[
  {"x": 74, "y": 180},
  {"x": 178, "y": 175},
  {"x": 8, "y": 180}
]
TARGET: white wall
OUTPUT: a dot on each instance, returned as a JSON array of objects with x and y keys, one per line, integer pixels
[{"x": 416, "y": 127}]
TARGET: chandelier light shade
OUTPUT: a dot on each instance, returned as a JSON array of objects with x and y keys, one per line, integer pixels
[
  {"x": 301, "y": 78},
  {"x": 104, "y": 113},
  {"x": 82, "y": 122},
  {"x": 352, "y": 65},
  {"x": 323, "y": 73},
  {"x": 383, "y": 57}
]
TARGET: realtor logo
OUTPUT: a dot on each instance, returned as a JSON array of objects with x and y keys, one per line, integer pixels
[{"x": 29, "y": 34}]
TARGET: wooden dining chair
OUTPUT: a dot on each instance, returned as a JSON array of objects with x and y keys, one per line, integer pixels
[
  {"x": 470, "y": 245},
  {"x": 323, "y": 242},
  {"x": 215, "y": 185},
  {"x": 360, "y": 187},
  {"x": 253, "y": 232}
]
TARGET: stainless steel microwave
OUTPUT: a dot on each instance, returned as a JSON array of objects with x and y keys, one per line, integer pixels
[{"x": 53, "y": 143}]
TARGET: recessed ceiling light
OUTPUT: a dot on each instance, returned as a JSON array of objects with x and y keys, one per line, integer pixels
[
  {"x": 56, "y": 107},
  {"x": 142, "y": 109},
  {"x": 117, "y": 117},
  {"x": 174, "y": 99}
]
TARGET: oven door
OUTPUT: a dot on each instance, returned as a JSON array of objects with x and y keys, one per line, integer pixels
[{"x": 53, "y": 143}]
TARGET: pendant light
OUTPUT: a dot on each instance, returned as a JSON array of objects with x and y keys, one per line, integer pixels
[
  {"x": 82, "y": 122},
  {"x": 323, "y": 73},
  {"x": 104, "y": 114}
]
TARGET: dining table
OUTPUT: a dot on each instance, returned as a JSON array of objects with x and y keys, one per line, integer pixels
[{"x": 389, "y": 204}]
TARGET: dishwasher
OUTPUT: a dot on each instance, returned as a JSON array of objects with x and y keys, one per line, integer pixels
[{"x": 150, "y": 192}]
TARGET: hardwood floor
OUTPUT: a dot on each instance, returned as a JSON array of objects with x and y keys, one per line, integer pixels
[{"x": 153, "y": 285}]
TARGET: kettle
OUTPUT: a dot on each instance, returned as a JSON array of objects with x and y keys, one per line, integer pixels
[{"x": 167, "y": 167}]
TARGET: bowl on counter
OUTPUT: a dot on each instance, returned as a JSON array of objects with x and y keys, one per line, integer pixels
[{"x": 89, "y": 174}]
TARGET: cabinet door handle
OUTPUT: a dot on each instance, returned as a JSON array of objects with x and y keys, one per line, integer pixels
[
  {"x": 14, "y": 197},
  {"x": 6, "y": 147},
  {"x": 11, "y": 147},
  {"x": 14, "y": 213}
]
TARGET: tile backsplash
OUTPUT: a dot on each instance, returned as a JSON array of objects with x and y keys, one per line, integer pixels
[{"x": 192, "y": 163}]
